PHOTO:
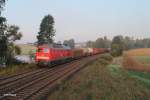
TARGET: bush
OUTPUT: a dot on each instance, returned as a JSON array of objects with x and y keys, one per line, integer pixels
[
  {"x": 116, "y": 50},
  {"x": 107, "y": 57}
]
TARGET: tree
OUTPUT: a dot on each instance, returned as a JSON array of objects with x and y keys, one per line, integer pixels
[
  {"x": 102, "y": 43},
  {"x": 117, "y": 46},
  {"x": 2, "y": 3},
  {"x": 8, "y": 35},
  {"x": 138, "y": 43},
  {"x": 107, "y": 42},
  {"x": 90, "y": 44},
  {"x": 47, "y": 32},
  {"x": 70, "y": 43},
  {"x": 12, "y": 34},
  {"x": 148, "y": 45},
  {"x": 3, "y": 39},
  {"x": 128, "y": 43},
  {"x": 99, "y": 43}
]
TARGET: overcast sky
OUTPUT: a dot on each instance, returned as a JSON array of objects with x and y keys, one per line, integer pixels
[{"x": 81, "y": 19}]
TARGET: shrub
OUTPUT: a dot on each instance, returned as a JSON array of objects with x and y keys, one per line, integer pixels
[
  {"x": 107, "y": 57},
  {"x": 116, "y": 50}
]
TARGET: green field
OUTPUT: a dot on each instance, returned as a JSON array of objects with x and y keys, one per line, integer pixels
[
  {"x": 102, "y": 82},
  {"x": 26, "y": 48},
  {"x": 142, "y": 77},
  {"x": 143, "y": 59}
]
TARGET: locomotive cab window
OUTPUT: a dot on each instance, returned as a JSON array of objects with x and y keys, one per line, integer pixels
[{"x": 46, "y": 50}]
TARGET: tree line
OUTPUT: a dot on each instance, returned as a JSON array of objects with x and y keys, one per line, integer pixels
[
  {"x": 119, "y": 43},
  {"x": 102, "y": 42}
]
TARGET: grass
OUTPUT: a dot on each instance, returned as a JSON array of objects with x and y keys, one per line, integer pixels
[
  {"x": 95, "y": 82},
  {"x": 142, "y": 77},
  {"x": 134, "y": 64},
  {"x": 13, "y": 69},
  {"x": 114, "y": 69},
  {"x": 26, "y": 48}
]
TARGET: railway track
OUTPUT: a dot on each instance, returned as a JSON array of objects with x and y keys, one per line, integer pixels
[
  {"x": 37, "y": 84},
  {"x": 11, "y": 76}
]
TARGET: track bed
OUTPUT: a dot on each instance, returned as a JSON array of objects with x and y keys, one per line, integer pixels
[{"x": 37, "y": 84}]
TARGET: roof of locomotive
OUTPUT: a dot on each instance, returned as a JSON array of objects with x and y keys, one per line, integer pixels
[{"x": 55, "y": 45}]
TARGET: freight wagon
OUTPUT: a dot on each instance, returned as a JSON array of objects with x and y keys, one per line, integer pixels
[{"x": 77, "y": 53}]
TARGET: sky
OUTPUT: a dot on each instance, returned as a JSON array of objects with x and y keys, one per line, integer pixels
[{"x": 82, "y": 20}]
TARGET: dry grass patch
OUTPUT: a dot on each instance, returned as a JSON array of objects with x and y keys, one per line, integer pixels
[
  {"x": 132, "y": 60},
  {"x": 131, "y": 64},
  {"x": 139, "y": 52}
]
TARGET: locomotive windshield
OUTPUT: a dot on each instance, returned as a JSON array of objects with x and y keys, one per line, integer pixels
[{"x": 46, "y": 50}]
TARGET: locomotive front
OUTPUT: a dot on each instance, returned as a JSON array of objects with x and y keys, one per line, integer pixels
[{"x": 43, "y": 55}]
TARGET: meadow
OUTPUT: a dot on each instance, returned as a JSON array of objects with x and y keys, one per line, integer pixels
[{"x": 102, "y": 81}]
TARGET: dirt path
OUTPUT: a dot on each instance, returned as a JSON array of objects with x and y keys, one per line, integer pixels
[{"x": 117, "y": 60}]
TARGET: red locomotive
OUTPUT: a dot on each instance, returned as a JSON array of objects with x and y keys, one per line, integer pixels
[{"x": 51, "y": 54}]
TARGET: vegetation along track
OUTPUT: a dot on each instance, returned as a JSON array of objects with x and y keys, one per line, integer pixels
[{"x": 34, "y": 85}]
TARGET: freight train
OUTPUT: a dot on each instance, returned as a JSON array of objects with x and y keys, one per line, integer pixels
[{"x": 52, "y": 54}]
